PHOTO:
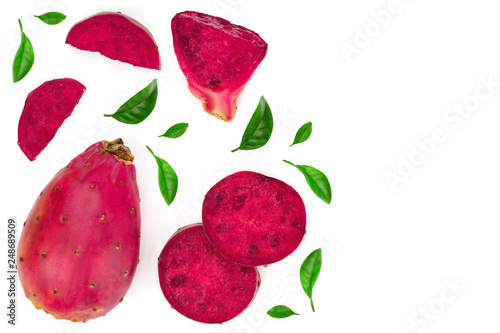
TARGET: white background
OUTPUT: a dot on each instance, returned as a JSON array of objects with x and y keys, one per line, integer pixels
[{"x": 391, "y": 253}]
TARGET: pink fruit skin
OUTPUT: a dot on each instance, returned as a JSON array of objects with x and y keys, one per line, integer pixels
[
  {"x": 118, "y": 37},
  {"x": 45, "y": 110},
  {"x": 201, "y": 284},
  {"x": 217, "y": 58},
  {"x": 79, "y": 247},
  {"x": 253, "y": 219}
]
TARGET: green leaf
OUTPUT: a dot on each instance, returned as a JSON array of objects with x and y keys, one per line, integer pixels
[
  {"x": 139, "y": 106},
  {"x": 309, "y": 272},
  {"x": 167, "y": 179},
  {"x": 317, "y": 181},
  {"x": 24, "y": 58},
  {"x": 51, "y": 18},
  {"x": 281, "y": 311},
  {"x": 175, "y": 131},
  {"x": 303, "y": 133},
  {"x": 259, "y": 128}
]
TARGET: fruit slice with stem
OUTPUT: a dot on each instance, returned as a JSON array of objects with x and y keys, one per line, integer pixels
[{"x": 217, "y": 58}]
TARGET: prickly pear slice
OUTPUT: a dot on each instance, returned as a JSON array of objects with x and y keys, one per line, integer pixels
[
  {"x": 253, "y": 219},
  {"x": 118, "y": 37},
  {"x": 201, "y": 284},
  {"x": 217, "y": 58},
  {"x": 45, "y": 109},
  {"x": 79, "y": 247}
]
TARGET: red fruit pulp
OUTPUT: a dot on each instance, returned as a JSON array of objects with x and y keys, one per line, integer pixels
[
  {"x": 117, "y": 37},
  {"x": 253, "y": 219},
  {"x": 201, "y": 284},
  {"x": 45, "y": 110}
]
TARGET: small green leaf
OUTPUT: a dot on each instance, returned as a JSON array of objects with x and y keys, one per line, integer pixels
[
  {"x": 259, "y": 128},
  {"x": 24, "y": 58},
  {"x": 167, "y": 179},
  {"x": 139, "y": 106},
  {"x": 51, "y": 18},
  {"x": 281, "y": 311},
  {"x": 317, "y": 181},
  {"x": 303, "y": 133},
  {"x": 309, "y": 272},
  {"x": 175, "y": 131}
]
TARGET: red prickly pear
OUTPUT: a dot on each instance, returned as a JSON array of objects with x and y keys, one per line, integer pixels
[
  {"x": 253, "y": 219},
  {"x": 79, "y": 248},
  {"x": 44, "y": 112},
  {"x": 118, "y": 37},
  {"x": 217, "y": 58},
  {"x": 200, "y": 283}
]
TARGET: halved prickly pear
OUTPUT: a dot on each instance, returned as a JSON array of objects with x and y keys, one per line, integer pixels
[
  {"x": 44, "y": 111},
  {"x": 201, "y": 284},
  {"x": 253, "y": 219},
  {"x": 79, "y": 247},
  {"x": 118, "y": 37},
  {"x": 217, "y": 58}
]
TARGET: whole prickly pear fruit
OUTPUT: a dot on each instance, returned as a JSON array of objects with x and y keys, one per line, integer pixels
[{"x": 79, "y": 248}]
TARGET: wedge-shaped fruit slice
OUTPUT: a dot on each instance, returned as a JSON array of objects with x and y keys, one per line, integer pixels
[
  {"x": 117, "y": 37},
  {"x": 200, "y": 283},
  {"x": 44, "y": 111},
  {"x": 217, "y": 58}
]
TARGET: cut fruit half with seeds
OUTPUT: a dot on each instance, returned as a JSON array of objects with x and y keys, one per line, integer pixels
[{"x": 201, "y": 284}]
